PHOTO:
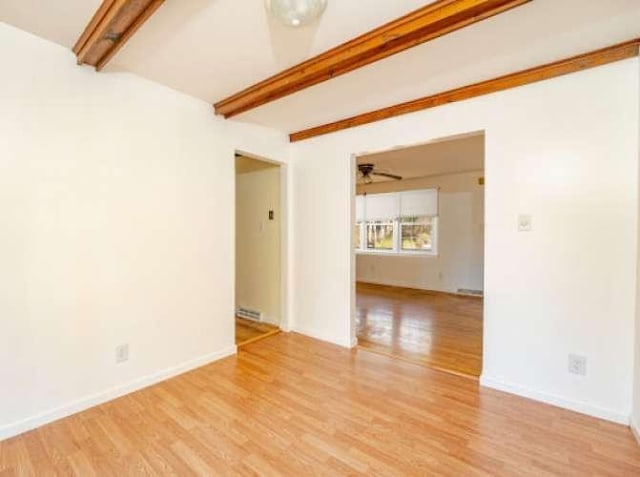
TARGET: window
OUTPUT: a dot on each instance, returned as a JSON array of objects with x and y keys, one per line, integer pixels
[
  {"x": 402, "y": 222},
  {"x": 416, "y": 233},
  {"x": 380, "y": 235}
]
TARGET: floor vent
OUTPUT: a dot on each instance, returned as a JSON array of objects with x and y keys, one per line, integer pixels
[
  {"x": 249, "y": 314},
  {"x": 467, "y": 291}
]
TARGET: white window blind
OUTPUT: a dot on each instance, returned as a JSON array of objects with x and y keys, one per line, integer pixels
[
  {"x": 359, "y": 208},
  {"x": 381, "y": 206},
  {"x": 419, "y": 203}
]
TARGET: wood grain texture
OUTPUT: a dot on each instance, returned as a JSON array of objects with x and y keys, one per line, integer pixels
[
  {"x": 113, "y": 24},
  {"x": 440, "y": 330},
  {"x": 592, "y": 59},
  {"x": 291, "y": 405},
  {"x": 432, "y": 21},
  {"x": 248, "y": 331}
]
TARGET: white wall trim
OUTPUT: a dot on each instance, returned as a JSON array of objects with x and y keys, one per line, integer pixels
[
  {"x": 400, "y": 284},
  {"x": 82, "y": 404},
  {"x": 271, "y": 320},
  {"x": 325, "y": 337},
  {"x": 555, "y": 400},
  {"x": 404, "y": 284},
  {"x": 635, "y": 428},
  {"x": 399, "y": 253}
]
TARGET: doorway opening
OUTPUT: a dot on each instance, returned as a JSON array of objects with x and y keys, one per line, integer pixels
[
  {"x": 419, "y": 253},
  {"x": 259, "y": 255}
]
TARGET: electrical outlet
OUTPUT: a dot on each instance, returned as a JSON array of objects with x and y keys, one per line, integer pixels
[
  {"x": 524, "y": 223},
  {"x": 577, "y": 365},
  {"x": 122, "y": 353}
]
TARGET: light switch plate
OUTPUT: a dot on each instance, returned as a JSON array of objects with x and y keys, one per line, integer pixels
[
  {"x": 525, "y": 223},
  {"x": 122, "y": 353},
  {"x": 578, "y": 365}
]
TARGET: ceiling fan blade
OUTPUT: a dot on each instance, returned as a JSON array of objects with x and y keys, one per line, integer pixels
[{"x": 390, "y": 176}]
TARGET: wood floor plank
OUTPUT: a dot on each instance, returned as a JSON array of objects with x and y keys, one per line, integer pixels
[
  {"x": 290, "y": 405},
  {"x": 440, "y": 330},
  {"x": 248, "y": 331}
]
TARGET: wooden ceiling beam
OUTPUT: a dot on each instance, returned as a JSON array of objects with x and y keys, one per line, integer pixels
[
  {"x": 113, "y": 24},
  {"x": 592, "y": 59},
  {"x": 432, "y": 21}
]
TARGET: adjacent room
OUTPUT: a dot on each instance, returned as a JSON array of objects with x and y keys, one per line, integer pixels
[
  {"x": 320, "y": 237},
  {"x": 258, "y": 249},
  {"x": 419, "y": 240}
]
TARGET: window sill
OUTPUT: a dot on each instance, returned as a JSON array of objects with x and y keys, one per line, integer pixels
[{"x": 388, "y": 253}]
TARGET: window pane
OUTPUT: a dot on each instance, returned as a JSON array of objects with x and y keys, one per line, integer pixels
[
  {"x": 357, "y": 236},
  {"x": 380, "y": 235},
  {"x": 416, "y": 233}
]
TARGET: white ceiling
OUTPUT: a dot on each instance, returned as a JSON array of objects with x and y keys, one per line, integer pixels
[
  {"x": 213, "y": 48},
  {"x": 451, "y": 155},
  {"x": 210, "y": 48},
  {"x": 536, "y": 33},
  {"x": 59, "y": 21}
]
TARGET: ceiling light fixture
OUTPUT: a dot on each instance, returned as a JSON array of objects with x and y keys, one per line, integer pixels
[{"x": 296, "y": 13}]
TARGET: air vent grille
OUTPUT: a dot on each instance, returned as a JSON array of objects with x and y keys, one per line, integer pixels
[{"x": 249, "y": 314}]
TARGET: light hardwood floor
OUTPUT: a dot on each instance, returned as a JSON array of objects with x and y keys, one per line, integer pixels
[
  {"x": 440, "y": 330},
  {"x": 291, "y": 405},
  {"x": 248, "y": 331}
]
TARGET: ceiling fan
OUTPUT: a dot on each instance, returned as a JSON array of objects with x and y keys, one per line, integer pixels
[{"x": 368, "y": 170}]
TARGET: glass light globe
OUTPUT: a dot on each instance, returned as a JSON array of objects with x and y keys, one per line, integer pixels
[{"x": 296, "y": 13}]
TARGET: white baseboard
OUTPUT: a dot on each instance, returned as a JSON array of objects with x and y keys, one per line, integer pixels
[
  {"x": 326, "y": 337},
  {"x": 275, "y": 321},
  {"x": 554, "y": 400},
  {"x": 635, "y": 428},
  {"x": 87, "y": 402},
  {"x": 403, "y": 284}
]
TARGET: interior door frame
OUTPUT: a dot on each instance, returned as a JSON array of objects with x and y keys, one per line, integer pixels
[
  {"x": 353, "y": 191},
  {"x": 285, "y": 324}
]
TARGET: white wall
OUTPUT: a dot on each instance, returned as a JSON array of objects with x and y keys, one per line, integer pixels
[
  {"x": 116, "y": 226},
  {"x": 635, "y": 415},
  {"x": 459, "y": 261},
  {"x": 563, "y": 150},
  {"x": 258, "y": 242}
]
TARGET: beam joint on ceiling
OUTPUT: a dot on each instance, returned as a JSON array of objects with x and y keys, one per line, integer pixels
[
  {"x": 113, "y": 24},
  {"x": 432, "y": 21},
  {"x": 592, "y": 59}
]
